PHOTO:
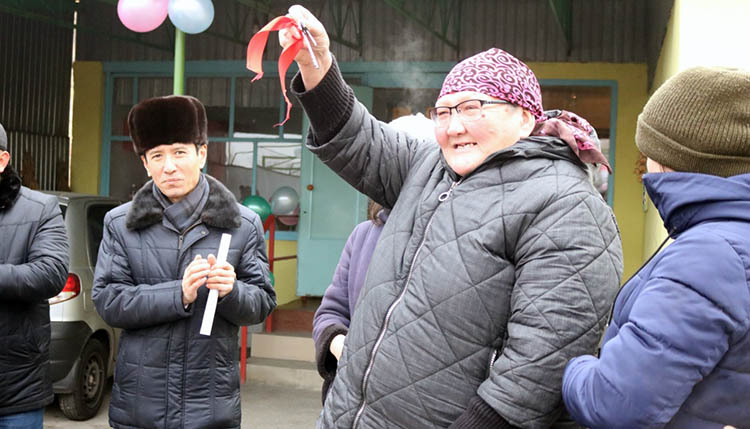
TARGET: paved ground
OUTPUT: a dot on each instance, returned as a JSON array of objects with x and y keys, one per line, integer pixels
[{"x": 263, "y": 406}]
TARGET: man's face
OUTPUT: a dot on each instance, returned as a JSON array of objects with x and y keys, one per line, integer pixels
[
  {"x": 4, "y": 160},
  {"x": 466, "y": 145},
  {"x": 175, "y": 168}
]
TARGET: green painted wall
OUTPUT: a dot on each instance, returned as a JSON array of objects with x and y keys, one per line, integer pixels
[{"x": 85, "y": 152}]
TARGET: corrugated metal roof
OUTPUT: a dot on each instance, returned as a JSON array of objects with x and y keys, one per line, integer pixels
[
  {"x": 602, "y": 30},
  {"x": 35, "y": 62},
  {"x": 35, "y": 56}
]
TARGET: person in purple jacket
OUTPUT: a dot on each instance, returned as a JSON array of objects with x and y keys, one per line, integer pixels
[
  {"x": 676, "y": 351},
  {"x": 331, "y": 322}
]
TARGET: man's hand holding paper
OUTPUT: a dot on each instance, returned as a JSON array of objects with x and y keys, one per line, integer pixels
[
  {"x": 221, "y": 277},
  {"x": 194, "y": 277}
]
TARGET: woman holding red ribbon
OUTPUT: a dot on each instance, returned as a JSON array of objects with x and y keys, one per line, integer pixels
[{"x": 499, "y": 261}]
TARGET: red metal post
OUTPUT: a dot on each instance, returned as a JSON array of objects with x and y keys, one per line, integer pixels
[{"x": 270, "y": 226}]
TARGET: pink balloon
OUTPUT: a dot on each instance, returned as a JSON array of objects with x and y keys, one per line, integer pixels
[
  {"x": 142, "y": 15},
  {"x": 291, "y": 219}
]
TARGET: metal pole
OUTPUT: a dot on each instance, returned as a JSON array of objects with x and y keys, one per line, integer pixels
[
  {"x": 254, "y": 185},
  {"x": 179, "y": 62},
  {"x": 243, "y": 355}
]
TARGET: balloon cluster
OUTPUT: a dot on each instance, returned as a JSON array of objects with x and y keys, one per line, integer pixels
[
  {"x": 190, "y": 16},
  {"x": 284, "y": 205}
]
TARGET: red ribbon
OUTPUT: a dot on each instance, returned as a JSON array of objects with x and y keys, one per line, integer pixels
[{"x": 258, "y": 44}]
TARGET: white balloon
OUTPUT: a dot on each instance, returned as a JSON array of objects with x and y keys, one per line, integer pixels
[{"x": 283, "y": 201}]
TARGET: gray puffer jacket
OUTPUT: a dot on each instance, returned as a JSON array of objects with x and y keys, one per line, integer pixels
[
  {"x": 481, "y": 287},
  {"x": 33, "y": 268},
  {"x": 167, "y": 374}
]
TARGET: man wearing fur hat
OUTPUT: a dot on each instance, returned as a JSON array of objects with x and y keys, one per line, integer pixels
[
  {"x": 156, "y": 266},
  {"x": 33, "y": 268}
]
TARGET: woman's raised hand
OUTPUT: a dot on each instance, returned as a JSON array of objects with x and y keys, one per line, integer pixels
[{"x": 311, "y": 75}]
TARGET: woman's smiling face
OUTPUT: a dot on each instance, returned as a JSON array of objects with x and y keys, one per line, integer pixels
[{"x": 466, "y": 145}]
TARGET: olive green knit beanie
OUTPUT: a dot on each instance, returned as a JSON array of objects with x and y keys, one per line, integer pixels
[{"x": 699, "y": 121}]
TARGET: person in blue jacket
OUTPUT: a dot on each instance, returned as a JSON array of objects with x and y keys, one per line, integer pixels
[{"x": 676, "y": 351}]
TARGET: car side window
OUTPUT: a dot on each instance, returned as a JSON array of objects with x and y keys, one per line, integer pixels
[{"x": 95, "y": 226}]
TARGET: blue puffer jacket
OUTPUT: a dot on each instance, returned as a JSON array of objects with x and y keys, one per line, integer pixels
[{"x": 676, "y": 352}]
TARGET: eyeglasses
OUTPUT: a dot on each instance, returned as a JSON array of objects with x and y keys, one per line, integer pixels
[{"x": 467, "y": 110}]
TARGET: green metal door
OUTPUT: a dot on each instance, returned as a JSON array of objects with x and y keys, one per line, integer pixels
[{"x": 329, "y": 210}]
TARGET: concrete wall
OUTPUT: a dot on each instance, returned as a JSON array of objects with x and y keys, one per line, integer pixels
[{"x": 88, "y": 108}]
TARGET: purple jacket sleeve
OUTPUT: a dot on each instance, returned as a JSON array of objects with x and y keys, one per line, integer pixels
[{"x": 333, "y": 316}]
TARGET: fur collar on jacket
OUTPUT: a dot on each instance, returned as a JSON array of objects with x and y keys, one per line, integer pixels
[
  {"x": 221, "y": 208},
  {"x": 10, "y": 187}
]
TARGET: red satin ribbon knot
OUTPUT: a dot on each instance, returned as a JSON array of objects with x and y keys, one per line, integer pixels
[{"x": 258, "y": 44}]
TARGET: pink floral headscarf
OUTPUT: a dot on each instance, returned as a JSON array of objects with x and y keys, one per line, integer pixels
[{"x": 499, "y": 74}]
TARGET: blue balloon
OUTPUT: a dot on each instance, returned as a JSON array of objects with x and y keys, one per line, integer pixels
[{"x": 191, "y": 16}]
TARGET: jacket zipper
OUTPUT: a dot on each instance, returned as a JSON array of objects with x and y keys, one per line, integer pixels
[
  {"x": 493, "y": 356},
  {"x": 442, "y": 197},
  {"x": 185, "y": 343},
  {"x": 496, "y": 352},
  {"x": 445, "y": 195}
]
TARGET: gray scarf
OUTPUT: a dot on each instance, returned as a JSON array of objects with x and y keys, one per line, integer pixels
[{"x": 186, "y": 212}]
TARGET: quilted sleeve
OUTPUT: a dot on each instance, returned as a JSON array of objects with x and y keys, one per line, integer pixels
[
  {"x": 370, "y": 155},
  {"x": 688, "y": 313},
  {"x": 568, "y": 267},
  {"x": 119, "y": 300},
  {"x": 43, "y": 275}
]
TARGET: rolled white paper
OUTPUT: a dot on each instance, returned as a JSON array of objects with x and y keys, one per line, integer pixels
[{"x": 213, "y": 295}]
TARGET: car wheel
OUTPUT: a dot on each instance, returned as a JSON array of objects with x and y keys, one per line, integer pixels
[{"x": 88, "y": 390}]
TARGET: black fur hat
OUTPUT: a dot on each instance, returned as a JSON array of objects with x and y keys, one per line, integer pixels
[{"x": 167, "y": 120}]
